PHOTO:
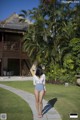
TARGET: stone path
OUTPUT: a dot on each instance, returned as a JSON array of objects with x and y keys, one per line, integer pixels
[{"x": 52, "y": 114}]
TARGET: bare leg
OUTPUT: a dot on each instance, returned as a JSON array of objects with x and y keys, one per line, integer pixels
[
  {"x": 37, "y": 100},
  {"x": 40, "y": 101}
]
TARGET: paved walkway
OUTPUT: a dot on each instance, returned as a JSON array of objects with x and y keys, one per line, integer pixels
[{"x": 52, "y": 114}]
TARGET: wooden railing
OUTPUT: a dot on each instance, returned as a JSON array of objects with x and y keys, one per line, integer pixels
[{"x": 11, "y": 46}]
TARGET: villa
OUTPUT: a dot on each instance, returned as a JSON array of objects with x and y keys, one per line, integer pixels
[{"x": 13, "y": 60}]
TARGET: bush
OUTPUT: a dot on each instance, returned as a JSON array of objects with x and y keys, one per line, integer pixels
[
  {"x": 70, "y": 78},
  {"x": 59, "y": 75}
]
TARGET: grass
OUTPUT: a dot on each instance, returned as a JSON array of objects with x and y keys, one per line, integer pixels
[
  {"x": 14, "y": 106},
  {"x": 68, "y": 98}
]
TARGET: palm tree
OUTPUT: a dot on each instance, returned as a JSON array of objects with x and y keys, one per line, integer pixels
[{"x": 47, "y": 39}]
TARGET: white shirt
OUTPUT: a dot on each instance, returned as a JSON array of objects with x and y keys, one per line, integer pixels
[{"x": 37, "y": 80}]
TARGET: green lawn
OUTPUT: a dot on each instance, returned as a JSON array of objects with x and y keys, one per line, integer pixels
[
  {"x": 14, "y": 106},
  {"x": 68, "y": 98}
]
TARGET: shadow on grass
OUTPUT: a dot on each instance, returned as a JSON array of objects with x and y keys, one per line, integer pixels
[{"x": 49, "y": 105}]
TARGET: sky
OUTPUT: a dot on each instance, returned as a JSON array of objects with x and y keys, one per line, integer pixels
[{"x": 8, "y": 7}]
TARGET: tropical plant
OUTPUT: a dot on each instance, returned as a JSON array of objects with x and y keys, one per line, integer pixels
[
  {"x": 75, "y": 51},
  {"x": 53, "y": 37}
]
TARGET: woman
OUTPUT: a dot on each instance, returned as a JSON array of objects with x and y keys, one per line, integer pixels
[{"x": 39, "y": 82}]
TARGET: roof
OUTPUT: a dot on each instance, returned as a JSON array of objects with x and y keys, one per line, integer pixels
[{"x": 14, "y": 23}]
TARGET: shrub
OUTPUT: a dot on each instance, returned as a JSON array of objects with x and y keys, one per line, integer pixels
[{"x": 60, "y": 75}]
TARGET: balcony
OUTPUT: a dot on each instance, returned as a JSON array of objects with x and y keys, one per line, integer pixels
[{"x": 11, "y": 46}]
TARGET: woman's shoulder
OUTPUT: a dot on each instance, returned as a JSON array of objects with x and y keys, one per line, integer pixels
[{"x": 35, "y": 77}]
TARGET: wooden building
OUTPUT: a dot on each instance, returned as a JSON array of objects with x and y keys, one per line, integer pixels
[{"x": 13, "y": 60}]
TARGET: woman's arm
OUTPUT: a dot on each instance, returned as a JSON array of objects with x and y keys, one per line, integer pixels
[
  {"x": 44, "y": 79},
  {"x": 44, "y": 82},
  {"x": 32, "y": 70}
]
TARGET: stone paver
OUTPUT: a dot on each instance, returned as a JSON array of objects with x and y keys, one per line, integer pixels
[{"x": 52, "y": 114}]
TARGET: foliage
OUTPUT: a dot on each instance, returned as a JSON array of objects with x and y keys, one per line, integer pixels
[
  {"x": 68, "y": 63},
  {"x": 53, "y": 72},
  {"x": 53, "y": 38},
  {"x": 68, "y": 77},
  {"x": 75, "y": 50},
  {"x": 59, "y": 75}
]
